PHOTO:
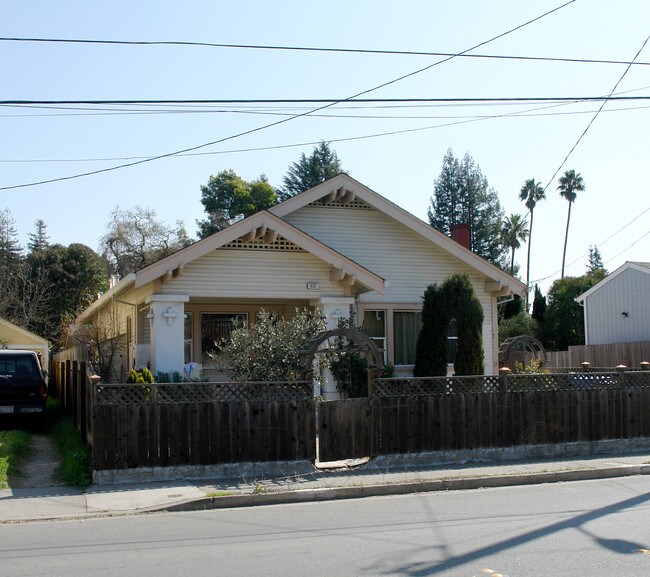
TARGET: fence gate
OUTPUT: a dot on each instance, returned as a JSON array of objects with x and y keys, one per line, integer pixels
[{"x": 348, "y": 429}]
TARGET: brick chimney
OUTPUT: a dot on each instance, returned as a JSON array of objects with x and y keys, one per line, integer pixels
[{"x": 460, "y": 233}]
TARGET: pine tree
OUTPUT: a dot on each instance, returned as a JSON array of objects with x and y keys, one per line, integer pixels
[
  {"x": 39, "y": 239},
  {"x": 321, "y": 165},
  {"x": 462, "y": 196},
  {"x": 10, "y": 249},
  {"x": 595, "y": 267}
]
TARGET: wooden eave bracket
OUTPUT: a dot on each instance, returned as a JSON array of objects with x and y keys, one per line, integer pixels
[
  {"x": 497, "y": 288},
  {"x": 174, "y": 273},
  {"x": 337, "y": 275}
]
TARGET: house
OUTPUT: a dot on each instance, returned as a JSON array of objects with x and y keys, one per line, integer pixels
[
  {"x": 15, "y": 337},
  {"x": 338, "y": 247},
  {"x": 617, "y": 309}
]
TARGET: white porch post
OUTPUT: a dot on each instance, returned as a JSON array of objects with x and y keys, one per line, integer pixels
[
  {"x": 166, "y": 315},
  {"x": 334, "y": 308}
]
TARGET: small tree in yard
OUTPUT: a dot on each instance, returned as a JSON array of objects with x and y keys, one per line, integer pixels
[
  {"x": 454, "y": 299},
  {"x": 269, "y": 349},
  {"x": 431, "y": 347}
]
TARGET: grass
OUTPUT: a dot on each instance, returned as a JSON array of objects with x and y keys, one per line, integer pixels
[
  {"x": 76, "y": 466},
  {"x": 14, "y": 447},
  {"x": 219, "y": 494}
]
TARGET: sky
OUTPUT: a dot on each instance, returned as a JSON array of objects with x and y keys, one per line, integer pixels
[{"x": 511, "y": 142}]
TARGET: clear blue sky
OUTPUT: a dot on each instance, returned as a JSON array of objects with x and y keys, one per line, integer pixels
[{"x": 612, "y": 157}]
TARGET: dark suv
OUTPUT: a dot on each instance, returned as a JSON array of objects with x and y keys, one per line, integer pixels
[{"x": 23, "y": 390}]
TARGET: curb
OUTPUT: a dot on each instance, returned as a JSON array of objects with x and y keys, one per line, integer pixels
[{"x": 437, "y": 485}]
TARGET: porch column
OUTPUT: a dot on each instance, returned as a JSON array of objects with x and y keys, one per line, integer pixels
[
  {"x": 166, "y": 317},
  {"x": 334, "y": 308}
]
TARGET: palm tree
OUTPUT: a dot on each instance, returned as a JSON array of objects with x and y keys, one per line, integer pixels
[
  {"x": 531, "y": 193},
  {"x": 569, "y": 184},
  {"x": 513, "y": 232}
]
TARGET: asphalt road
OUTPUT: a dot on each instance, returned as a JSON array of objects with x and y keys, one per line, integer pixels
[{"x": 590, "y": 528}]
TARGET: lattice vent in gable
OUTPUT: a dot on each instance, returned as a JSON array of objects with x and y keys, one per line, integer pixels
[
  {"x": 279, "y": 244},
  {"x": 356, "y": 203}
]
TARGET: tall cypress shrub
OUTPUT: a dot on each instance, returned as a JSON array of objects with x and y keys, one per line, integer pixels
[
  {"x": 467, "y": 310},
  {"x": 431, "y": 347}
]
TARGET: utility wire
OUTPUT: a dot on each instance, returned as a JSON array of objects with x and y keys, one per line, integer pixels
[
  {"x": 466, "y": 119},
  {"x": 285, "y": 120},
  {"x": 610, "y": 97},
  {"x": 331, "y": 101},
  {"x": 316, "y": 49},
  {"x": 637, "y": 217}
]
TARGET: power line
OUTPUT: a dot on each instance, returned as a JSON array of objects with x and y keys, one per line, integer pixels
[
  {"x": 637, "y": 217},
  {"x": 285, "y": 120},
  {"x": 465, "y": 119},
  {"x": 315, "y": 49},
  {"x": 330, "y": 101},
  {"x": 584, "y": 132}
]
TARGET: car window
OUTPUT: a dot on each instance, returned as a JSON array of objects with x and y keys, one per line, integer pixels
[{"x": 18, "y": 368}]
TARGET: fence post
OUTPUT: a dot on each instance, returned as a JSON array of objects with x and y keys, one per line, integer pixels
[
  {"x": 83, "y": 399},
  {"x": 74, "y": 393},
  {"x": 584, "y": 366},
  {"x": 504, "y": 372},
  {"x": 621, "y": 369},
  {"x": 68, "y": 386}
]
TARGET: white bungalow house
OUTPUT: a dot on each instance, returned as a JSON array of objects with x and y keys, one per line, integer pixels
[
  {"x": 617, "y": 309},
  {"x": 338, "y": 247},
  {"x": 14, "y": 337}
]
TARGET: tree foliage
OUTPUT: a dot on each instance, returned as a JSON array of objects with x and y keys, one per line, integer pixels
[
  {"x": 453, "y": 300},
  {"x": 309, "y": 171},
  {"x": 227, "y": 195},
  {"x": 462, "y": 196},
  {"x": 268, "y": 349},
  {"x": 135, "y": 238},
  {"x": 44, "y": 291},
  {"x": 569, "y": 184},
  {"x": 531, "y": 193},
  {"x": 514, "y": 232},
  {"x": 595, "y": 267},
  {"x": 39, "y": 239},
  {"x": 563, "y": 322},
  {"x": 519, "y": 324}
]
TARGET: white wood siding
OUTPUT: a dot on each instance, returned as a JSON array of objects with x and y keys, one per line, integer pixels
[
  {"x": 407, "y": 261},
  {"x": 246, "y": 273},
  {"x": 605, "y": 324}
]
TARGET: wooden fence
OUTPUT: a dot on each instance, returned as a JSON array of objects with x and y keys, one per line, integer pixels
[
  {"x": 175, "y": 424},
  {"x": 629, "y": 354},
  {"x": 444, "y": 422},
  {"x": 212, "y": 423}
]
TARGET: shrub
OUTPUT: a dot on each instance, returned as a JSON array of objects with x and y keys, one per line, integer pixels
[
  {"x": 269, "y": 349},
  {"x": 141, "y": 376}
]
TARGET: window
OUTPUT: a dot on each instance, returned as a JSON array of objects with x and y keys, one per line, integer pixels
[
  {"x": 188, "y": 338},
  {"x": 374, "y": 325},
  {"x": 406, "y": 328},
  {"x": 215, "y": 328}
]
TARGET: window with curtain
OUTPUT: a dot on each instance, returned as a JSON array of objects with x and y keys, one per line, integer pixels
[
  {"x": 374, "y": 325},
  {"x": 406, "y": 328}
]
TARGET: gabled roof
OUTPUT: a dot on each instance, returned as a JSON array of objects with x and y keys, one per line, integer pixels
[
  {"x": 346, "y": 189},
  {"x": 24, "y": 332},
  {"x": 643, "y": 267},
  {"x": 265, "y": 226}
]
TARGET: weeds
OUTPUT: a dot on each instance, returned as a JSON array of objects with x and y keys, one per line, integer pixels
[
  {"x": 76, "y": 467},
  {"x": 14, "y": 447}
]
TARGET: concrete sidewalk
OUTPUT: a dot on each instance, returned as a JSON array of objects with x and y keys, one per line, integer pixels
[{"x": 371, "y": 479}]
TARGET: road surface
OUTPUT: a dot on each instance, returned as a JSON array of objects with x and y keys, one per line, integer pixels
[{"x": 579, "y": 529}]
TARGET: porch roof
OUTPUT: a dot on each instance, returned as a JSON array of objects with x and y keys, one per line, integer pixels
[{"x": 266, "y": 227}]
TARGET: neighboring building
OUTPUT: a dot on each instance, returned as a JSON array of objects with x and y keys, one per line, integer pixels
[
  {"x": 15, "y": 337},
  {"x": 617, "y": 309},
  {"x": 338, "y": 247}
]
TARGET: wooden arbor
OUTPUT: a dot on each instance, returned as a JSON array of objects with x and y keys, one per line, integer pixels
[
  {"x": 366, "y": 346},
  {"x": 518, "y": 348}
]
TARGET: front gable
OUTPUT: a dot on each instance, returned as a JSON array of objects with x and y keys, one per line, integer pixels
[
  {"x": 259, "y": 240},
  {"x": 371, "y": 230}
]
